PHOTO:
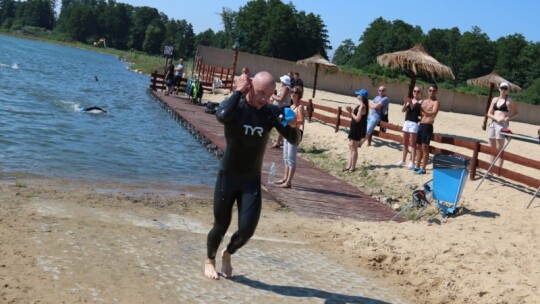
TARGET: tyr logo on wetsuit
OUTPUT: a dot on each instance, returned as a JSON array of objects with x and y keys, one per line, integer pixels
[{"x": 259, "y": 130}]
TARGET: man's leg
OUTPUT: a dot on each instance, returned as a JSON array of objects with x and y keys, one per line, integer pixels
[
  {"x": 223, "y": 202},
  {"x": 372, "y": 122},
  {"x": 249, "y": 212}
]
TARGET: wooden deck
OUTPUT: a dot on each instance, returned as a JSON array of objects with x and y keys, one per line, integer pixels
[{"x": 313, "y": 193}]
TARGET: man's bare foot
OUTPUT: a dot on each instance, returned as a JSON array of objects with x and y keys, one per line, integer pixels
[
  {"x": 226, "y": 266},
  {"x": 210, "y": 269}
]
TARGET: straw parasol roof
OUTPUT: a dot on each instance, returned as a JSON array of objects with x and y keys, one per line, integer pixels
[
  {"x": 415, "y": 60},
  {"x": 491, "y": 80},
  {"x": 317, "y": 60}
]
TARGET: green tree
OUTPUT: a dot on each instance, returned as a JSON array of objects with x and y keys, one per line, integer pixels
[
  {"x": 114, "y": 23},
  {"x": 7, "y": 12},
  {"x": 529, "y": 63},
  {"x": 509, "y": 49},
  {"x": 384, "y": 37},
  {"x": 228, "y": 18},
  {"x": 142, "y": 18},
  {"x": 154, "y": 37},
  {"x": 311, "y": 36},
  {"x": 205, "y": 38},
  {"x": 442, "y": 45},
  {"x": 78, "y": 21},
  {"x": 39, "y": 13},
  {"x": 477, "y": 54},
  {"x": 344, "y": 52}
]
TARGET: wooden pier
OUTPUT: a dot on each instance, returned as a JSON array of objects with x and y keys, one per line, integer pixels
[{"x": 314, "y": 192}]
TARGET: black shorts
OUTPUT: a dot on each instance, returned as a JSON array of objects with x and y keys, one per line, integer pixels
[{"x": 425, "y": 131}]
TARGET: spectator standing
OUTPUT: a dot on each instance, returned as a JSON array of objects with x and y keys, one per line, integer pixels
[
  {"x": 378, "y": 106},
  {"x": 412, "y": 109},
  {"x": 169, "y": 76},
  {"x": 178, "y": 74},
  {"x": 291, "y": 77},
  {"x": 297, "y": 81},
  {"x": 501, "y": 111},
  {"x": 357, "y": 131},
  {"x": 289, "y": 149},
  {"x": 429, "y": 110},
  {"x": 282, "y": 99}
]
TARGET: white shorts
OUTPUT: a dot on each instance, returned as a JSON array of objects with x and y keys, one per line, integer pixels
[
  {"x": 494, "y": 129},
  {"x": 410, "y": 126}
]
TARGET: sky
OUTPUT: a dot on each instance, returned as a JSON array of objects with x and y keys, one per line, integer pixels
[{"x": 347, "y": 19}]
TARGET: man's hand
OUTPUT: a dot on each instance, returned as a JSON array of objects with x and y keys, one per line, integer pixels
[{"x": 243, "y": 84}]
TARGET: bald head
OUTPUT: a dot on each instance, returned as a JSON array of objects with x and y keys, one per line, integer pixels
[{"x": 263, "y": 86}]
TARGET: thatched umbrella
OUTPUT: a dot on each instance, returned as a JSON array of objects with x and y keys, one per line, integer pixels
[
  {"x": 491, "y": 80},
  {"x": 415, "y": 60},
  {"x": 317, "y": 60}
]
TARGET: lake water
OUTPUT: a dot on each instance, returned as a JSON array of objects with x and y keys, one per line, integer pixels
[{"x": 43, "y": 132}]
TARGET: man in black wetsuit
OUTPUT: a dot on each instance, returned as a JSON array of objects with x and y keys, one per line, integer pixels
[{"x": 248, "y": 120}]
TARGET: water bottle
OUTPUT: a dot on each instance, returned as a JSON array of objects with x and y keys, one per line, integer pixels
[{"x": 272, "y": 174}]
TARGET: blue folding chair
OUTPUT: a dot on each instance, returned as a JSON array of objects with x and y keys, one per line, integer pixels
[{"x": 449, "y": 176}]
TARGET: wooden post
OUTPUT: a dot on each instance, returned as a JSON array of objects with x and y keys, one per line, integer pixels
[
  {"x": 412, "y": 84},
  {"x": 487, "y": 105},
  {"x": 474, "y": 160},
  {"x": 338, "y": 122},
  {"x": 234, "y": 62},
  {"x": 310, "y": 110},
  {"x": 315, "y": 82}
]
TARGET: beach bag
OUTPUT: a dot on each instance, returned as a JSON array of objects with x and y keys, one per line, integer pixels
[{"x": 211, "y": 107}]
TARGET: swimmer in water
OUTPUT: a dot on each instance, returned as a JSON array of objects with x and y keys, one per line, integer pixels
[
  {"x": 90, "y": 109},
  {"x": 248, "y": 119}
]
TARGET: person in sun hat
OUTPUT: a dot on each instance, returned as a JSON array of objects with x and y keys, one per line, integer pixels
[
  {"x": 501, "y": 111},
  {"x": 282, "y": 99},
  {"x": 358, "y": 128}
]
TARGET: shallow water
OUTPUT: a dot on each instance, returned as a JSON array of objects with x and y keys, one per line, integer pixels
[{"x": 43, "y": 132}]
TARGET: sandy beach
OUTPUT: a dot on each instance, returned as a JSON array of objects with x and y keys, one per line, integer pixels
[{"x": 488, "y": 253}]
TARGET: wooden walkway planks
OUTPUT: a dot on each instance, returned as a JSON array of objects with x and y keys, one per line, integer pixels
[{"x": 314, "y": 192}]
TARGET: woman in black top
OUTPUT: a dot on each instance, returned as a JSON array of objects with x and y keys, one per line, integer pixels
[
  {"x": 412, "y": 109},
  {"x": 358, "y": 127}
]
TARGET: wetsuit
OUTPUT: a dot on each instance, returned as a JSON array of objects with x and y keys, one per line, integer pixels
[
  {"x": 247, "y": 131},
  {"x": 88, "y": 109}
]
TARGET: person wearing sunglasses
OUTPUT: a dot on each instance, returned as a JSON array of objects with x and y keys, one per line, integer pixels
[
  {"x": 429, "y": 110},
  {"x": 378, "y": 106},
  {"x": 282, "y": 99},
  {"x": 357, "y": 130},
  {"x": 412, "y": 109},
  {"x": 501, "y": 111},
  {"x": 290, "y": 149}
]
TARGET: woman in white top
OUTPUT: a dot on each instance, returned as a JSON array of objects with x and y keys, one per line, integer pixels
[{"x": 282, "y": 99}]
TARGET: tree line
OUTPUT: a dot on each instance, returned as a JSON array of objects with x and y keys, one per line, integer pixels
[
  {"x": 470, "y": 54},
  {"x": 276, "y": 29}
]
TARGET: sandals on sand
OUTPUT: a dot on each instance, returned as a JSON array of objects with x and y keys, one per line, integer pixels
[{"x": 285, "y": 186}]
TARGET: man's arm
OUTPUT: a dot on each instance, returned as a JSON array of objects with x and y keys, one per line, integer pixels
[
  {"x": 373, "y": 105},
  {"x": 434, "y": 110},
  {"x": 225, "y": 111}
]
